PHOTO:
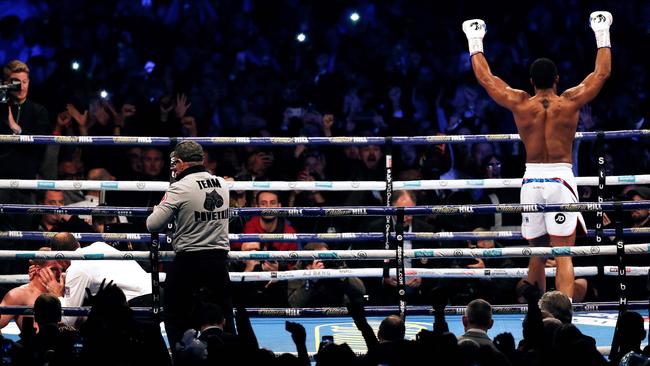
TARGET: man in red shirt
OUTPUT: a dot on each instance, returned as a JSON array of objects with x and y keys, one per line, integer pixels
[{"x": 268, "y": 224}]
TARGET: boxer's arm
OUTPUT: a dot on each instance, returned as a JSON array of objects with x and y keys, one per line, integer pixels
[
  {"x": 600, "y": 21},
  {"x": 498, "y": 89},
  {"x": 8, "y": 300},
  {"x": 594, "y": 82}
]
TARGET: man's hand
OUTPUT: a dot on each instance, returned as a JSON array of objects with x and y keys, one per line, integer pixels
[
  {"x": 479, "y": 264},
  {"x": 390, "y": 281},
  {"x": 600, "y": 21},
  {"x": 270, "y": 266},
  {"x": 474, "y": 31},
  {"x": 250, "y": 266},
  {"x": 15, "y": 128},
  {"x": 357, "y": 312},
  {"x": 50, "y": 283},
  {"x": 297, "y": 331},
  {"x": 77, "y": 116},
  {"x": 181, "y": 106},
  {"x": 439, "y": 299},
  {"x": 414, "y": 282},
  {"x": 63, "y": 120},
  {"x": 328, "y": 122},
  {"x": 33, "y": 271},
  {"x": 530, "y": 292}
]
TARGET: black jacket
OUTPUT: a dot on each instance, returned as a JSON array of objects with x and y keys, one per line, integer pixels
[{"x": 23, "y": 161}]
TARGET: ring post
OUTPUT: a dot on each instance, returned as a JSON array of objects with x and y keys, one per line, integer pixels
[
  {"x": 389, "y": 193},
  {"x": 399, "y": 256},
  {"x": 155, "y": 276}
]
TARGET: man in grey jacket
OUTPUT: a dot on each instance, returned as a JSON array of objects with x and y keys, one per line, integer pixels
[
  {"x": 477, "y": 321},
  {"x": 198, "y": 205}
]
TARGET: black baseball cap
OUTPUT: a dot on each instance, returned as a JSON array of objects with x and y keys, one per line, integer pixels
[{"x": 188, "y": 151}]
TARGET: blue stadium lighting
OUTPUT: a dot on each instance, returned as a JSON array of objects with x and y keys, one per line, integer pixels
[
  {"x": 149, "y": 66},
  {"x": 355, "y": 17},
  {"x": 301, "y": 37}
]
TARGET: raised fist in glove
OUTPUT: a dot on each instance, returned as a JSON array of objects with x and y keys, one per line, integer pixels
[
  {"x": 475, "y": 31},
  {"x": 600, "y": 21}
]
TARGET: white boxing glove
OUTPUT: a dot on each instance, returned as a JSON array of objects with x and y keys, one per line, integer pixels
[
  {"x": 600, "y": 22},
  {"x": 474, "y": 30}
]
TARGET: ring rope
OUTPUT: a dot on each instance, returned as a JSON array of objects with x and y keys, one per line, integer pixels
[
  {"x": 288, "y": 141},
  {"x": 157, "y": 186},
  {"x": 342, "y": 210},
  {"x": 512, "y": 252},
  {"x": 342, "y": 311},
  {"x": 313, "y": 274},
  {"x": 307, "y": 237}
]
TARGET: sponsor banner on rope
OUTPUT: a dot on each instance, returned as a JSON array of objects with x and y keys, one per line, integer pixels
[
  {"x": 73, "y": 139},
  {"x": 561, "y": 251},
  {"x": 423, "y": 253},
  {"x": 132, "y": 140},
  {"x": 109, "y": 185},
  {"x": 492, "y": 253},
  {"x": 413, "y": 183},
  {"x": 475, "y": 182},
  {"x": 225, "y": 140},
  {"x": 626, "y": 179},
  {"x": 348, "y": 140},
  {"x": 11, "y": 234},
  {"x": 45, "y": 184}
]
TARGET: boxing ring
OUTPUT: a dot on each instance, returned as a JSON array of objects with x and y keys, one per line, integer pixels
[{"x": 595, "y": 319}]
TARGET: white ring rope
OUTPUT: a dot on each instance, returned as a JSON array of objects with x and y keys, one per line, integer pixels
[
  {"x": 316, "y": 274},
  {"x": 524, "y": 252},
  {"x": 155, "y": 186}
]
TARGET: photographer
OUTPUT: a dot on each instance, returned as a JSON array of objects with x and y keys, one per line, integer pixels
[
  {"x": 19, "y": 116},
  {"x": 324, "y": 292}
]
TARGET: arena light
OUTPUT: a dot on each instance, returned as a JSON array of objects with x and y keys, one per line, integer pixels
[
  {"x": 103, "y": 94},
  {"x": 301, "y": 37},
  {"x": 75, "y": 65},
  {"x": 149, "y": 66},
  {"x": 354, "y": 17}
]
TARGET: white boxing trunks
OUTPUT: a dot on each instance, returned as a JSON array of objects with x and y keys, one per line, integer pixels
[{"x": 549, "y": 183}]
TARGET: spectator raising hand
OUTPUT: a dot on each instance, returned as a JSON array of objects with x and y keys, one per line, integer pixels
[{"x": 181, "y": 106}]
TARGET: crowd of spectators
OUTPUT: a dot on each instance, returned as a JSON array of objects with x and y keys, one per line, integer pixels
[
  {"x": 235, "y": 68},
  {"x": 180, "y": 68},
  {"x": 549, "y": 338}
]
